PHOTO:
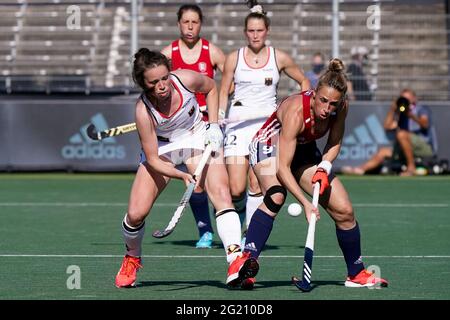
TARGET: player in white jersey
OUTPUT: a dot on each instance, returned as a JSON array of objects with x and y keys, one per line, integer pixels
[
  {"x": 172, "y": 132},
  {"x": 255, "y": 71}
]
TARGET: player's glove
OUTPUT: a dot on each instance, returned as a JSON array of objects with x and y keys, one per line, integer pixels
[
  {"x": 213, "y": 136},
  {"x": 321, "y": 175}
]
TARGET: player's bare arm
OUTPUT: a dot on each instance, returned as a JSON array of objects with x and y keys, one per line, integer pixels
[
  {"x": 227, "y": 80},
  {"x": 290, "y": 118},
  {"x": 292, "y": 70},
  {"x": 147, "y": 135},
  {"x": 217, "y": 57},
  {"x": 334, "y": 142},
  {"x": 197, "y": 82}
]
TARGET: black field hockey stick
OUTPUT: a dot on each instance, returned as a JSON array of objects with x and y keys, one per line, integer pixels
[{"x": 92, "y": 132}]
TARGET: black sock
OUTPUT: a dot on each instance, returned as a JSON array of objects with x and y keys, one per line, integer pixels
[
  {"x": 350, "y": 243},
  {"x": 258, "y": 232},
  {"x": 200, "y": 209}
]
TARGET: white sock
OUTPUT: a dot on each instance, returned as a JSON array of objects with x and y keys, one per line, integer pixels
[
  {"x": 254, "y": 200},
  {"x": 229, "y": 230},
  {"x": 133, "y": 237}
]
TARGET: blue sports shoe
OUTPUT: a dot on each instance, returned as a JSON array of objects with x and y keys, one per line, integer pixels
[
  {"x": 205, "y": 241},
  {"x": 243, "y": 242},
  {"x": 243, "y": 239}
]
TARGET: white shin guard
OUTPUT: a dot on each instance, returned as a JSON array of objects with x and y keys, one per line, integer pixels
[
  {"x": 133, "y": 237},
  {"x": 229, "y": 230}
]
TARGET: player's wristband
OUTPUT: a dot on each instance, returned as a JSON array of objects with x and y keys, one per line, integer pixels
[{"x": 326, "y": 165}]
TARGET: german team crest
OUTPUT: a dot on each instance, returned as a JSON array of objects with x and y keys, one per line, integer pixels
[
  {"x": 268, "y": 81},
  {"x": 202, "y": 67},
  {"x": 191, "y": 112}
]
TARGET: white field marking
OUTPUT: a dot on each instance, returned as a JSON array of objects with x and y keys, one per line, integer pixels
[
  {"x": 67, "y": 204},
  {"x": 401, "y": 205},
  {"x": 163, "y": 204},
  {"x": 196, "y": 256}
]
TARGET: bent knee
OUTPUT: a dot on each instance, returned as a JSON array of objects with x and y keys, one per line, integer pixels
[
  {"x": 237, "y": 189},
  {"x": 278, "y": 198},
  {"x": 221, "y": 192},
  {"x": 275, "y": 198},
  {"x": 135, "y": 218},
  {"x": 344, "y": 215}
]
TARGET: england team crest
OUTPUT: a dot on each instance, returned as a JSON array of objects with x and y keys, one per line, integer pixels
[
  {"x": 268, "y": 81},
  {"x": 202, "y": 67}
]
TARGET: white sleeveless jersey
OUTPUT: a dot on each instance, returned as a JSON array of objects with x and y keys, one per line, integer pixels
[
  {"x": 255, "y": 87},
  {"x": 183, "y": 121}
]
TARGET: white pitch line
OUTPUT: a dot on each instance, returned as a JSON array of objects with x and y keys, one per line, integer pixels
[
  {"x": 401, "y": 205},
  {"x": 198, "y": 256},
  {"x": 63, "y": 204},
  {"x": 162, "y": 204}
]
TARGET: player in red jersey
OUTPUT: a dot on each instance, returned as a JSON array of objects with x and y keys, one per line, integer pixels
[
  {"x": 284, "y": 155},
  {"x": 192, "y": 52}
]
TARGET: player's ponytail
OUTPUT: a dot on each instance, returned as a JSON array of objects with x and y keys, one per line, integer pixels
[
  {"x": 256, "y": 12},
  {"x": 334, "y": 77},
  {"x": 145, "y": 59},
  {"x": 255, "y": 7}
]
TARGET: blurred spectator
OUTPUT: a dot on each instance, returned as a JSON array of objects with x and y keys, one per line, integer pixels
[
  {"x": 317, "y": 66},
  {"x": 414, "y": 136},
  {"x": 359, "y": 88}
]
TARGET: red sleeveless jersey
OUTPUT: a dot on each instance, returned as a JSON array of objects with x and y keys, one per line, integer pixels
[
  {"x": 307, "y": 135},
  {"x": 202, "y": 65}
]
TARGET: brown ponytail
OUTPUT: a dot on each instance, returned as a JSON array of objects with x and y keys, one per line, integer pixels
[
  {"x": 256, "y": 12},
  {"x": 334, "y": 77}
]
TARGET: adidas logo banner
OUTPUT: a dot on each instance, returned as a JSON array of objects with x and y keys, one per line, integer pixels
[
  {"x": 50, "y": 134},
  {"x": 364, "y": 135},
  {"x": 80, "y": 146},
  {"x": 363, "y": 141}
]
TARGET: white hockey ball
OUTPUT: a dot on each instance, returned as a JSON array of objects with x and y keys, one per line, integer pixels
[{"x": 295, "y": 209}]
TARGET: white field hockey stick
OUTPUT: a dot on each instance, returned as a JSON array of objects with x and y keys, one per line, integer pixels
[
  {"x": 112, "y": 132},
  {"x": 305, "y": 283},
  {"x": 186, "y": 196},
  {"x": 92, "y": 132}
]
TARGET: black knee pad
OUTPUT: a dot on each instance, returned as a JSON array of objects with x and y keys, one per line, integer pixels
[{"x": 270, "y": 204}]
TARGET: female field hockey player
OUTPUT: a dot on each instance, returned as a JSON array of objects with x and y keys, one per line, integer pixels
[
  {"x": 172, "y": 132},
  {"x": 284, "y": 155},
  {"x": 255, "y": 71}
]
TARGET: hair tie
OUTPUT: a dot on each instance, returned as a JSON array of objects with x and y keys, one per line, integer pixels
[{"x": 257, "y": 9}]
